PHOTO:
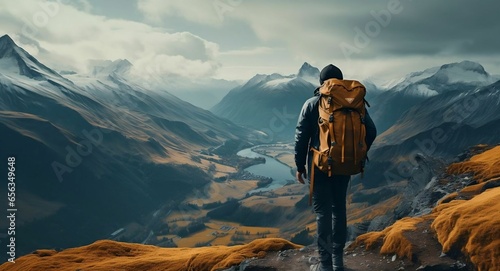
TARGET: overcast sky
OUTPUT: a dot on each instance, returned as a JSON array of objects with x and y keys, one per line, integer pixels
[{"x": 236, "y": 39}]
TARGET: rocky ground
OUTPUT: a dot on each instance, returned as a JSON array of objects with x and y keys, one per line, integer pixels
[
  {"x": 427, "y": 251},
  {"x": 465, "y": 220},
  {"x": 427, "y": 257}
]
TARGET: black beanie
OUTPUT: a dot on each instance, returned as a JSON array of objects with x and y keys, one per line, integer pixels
[{"x": 329, "y": 72}]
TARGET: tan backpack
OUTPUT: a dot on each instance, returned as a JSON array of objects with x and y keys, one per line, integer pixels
[{"x": 342, "y": 147}]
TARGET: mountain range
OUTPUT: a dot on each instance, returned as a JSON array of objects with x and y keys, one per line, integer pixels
[
  {"x": 96, "y": 151},
  {"x": 100, "y": 150},
  {"x": 441, "y": 123},
  {"x": 424, "y": 131},
  {"x": 270, "y": 103},
  {"x": 417, "y": 87},
  {"x": 458, "y": 234}
]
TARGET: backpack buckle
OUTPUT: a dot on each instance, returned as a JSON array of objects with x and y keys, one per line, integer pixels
[
  {"x": 330, "y": 100},
  {"x": 330, "y": 161},
  {"x": 331, "y": 118}
]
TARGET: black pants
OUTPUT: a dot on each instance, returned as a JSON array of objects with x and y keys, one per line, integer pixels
[{"x": 329, "y": 202}]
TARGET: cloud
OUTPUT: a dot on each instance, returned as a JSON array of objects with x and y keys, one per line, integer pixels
[
  {"x": 404, "y": 27},
  {"x": 239, "y": 38},
  {"x": 173, "y": 66},
  {"x": 320, "y": 31},
  {"x": 249, "y": 51},
  {"x": 200, "y": 11},
  {"x": 67, "y": 37},
  {"x": 243, "y": 64},
  {"x": 83, "y": 5},
  {"x": 417, "y": 35}
]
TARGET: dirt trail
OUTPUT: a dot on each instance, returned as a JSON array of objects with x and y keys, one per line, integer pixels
[{"x": 427, "y": 257}]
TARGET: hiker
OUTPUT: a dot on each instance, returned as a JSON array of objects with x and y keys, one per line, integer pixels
[{"x": 335, "y": 126}]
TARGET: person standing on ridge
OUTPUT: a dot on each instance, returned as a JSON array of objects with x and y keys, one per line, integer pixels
[{"x": 333, "y": 133}]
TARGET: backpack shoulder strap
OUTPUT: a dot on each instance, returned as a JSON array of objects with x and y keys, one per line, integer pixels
[{"x": 367, "y": 103}]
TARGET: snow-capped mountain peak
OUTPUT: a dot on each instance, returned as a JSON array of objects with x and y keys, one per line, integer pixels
[
  {"x": 465, "y": 72},
  {"x": 16, "y": 61},
  {"x": 6, "y": 45},
  {"x": 275, "y": 81},
  {"x": 108, "y": 67},
  {"x": 436, "y": 80},
  {"x": 309, "y": 73},
  {"x": 104, "y": 75},
  {"x": 279, "y": 81},
  {"x": 255, "y": 80},
  {"x": 466, "y": 65},
  {"x": 306, "y": 75},
  {"x": 411, "y": 78},
  {"x": 263, "y": 96}
]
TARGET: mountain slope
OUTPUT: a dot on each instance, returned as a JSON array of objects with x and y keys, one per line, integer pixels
[
  {"x": 270, "y": 103},
  {"x": 16, "y": 60},
  {"x": 407, "y": 158},
  {"x": 459, "y": 234},
  {"x": 110, "y": 255},
  {"x": 102, "y": 150},
  {"x": 201, "y": 92},
  {"x": 417, "y": 87},
  {"x": 463, "y": 223},
  {"x": 474, "y": 108}
]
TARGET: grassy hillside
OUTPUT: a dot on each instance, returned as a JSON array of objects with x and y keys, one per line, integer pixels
[
  {"x": 464, "y": 223},
  {"x": 463, "y": 226},
  {"x": 110, "y": 255}
]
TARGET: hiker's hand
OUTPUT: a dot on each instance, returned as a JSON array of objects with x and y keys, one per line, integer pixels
[{"x": 299, "y": 177}]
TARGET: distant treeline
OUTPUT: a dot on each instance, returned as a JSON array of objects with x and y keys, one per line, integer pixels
[{"x": 234, "y": 211}]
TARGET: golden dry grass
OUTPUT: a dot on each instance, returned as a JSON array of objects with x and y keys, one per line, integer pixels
[
  {"x": 467, "y": 226},
  {"x": 472, "y": 227},
  {"x": 110, "y": 255},
  {"x": 448, "y": 197},
  {"x": 392, "y": 239},
  {"x": 485, "y": 166}
]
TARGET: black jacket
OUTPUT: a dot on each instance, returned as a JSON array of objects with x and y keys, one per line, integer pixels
[{"x": 307, "y": 136}]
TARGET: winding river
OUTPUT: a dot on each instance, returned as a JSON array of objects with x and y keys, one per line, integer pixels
[{"x": 280, "y": 173}]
